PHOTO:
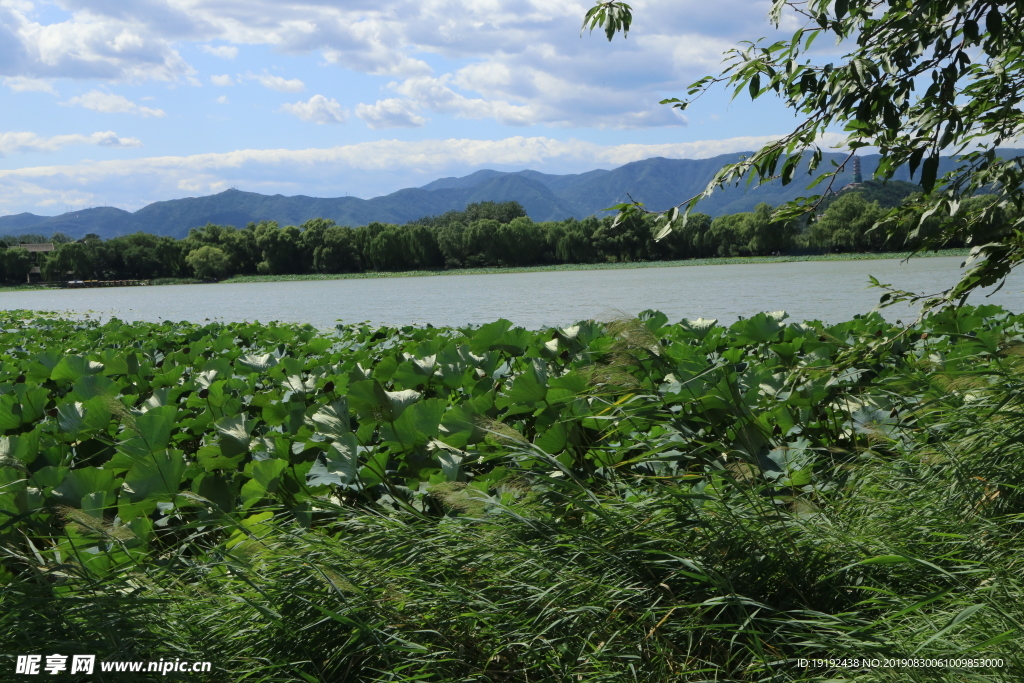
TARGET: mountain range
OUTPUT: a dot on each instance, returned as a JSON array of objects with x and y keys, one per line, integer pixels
[{"x": 658, "y": 182}]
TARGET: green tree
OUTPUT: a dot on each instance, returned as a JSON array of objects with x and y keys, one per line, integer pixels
[
  {"x": 74, "y": 260},
  {"x": 846, "y": 225},
  {"x": 311, "y": 238},
  {"x": 137, "y": 256},
  {"x": 765, "y": 234},
  {"x": 451, "y": 240},
  {"x": 691, "y": 240},
  {"x": 520, "y": 242},
  {"x": 1000, "y": 228},
  {"x": 424, "y": 243},
  {"x": 625, "y": 240},
  {"x": 208, "y": 262},
  {"x": 572, "y": 241},
  {"x": 481, "y": 242},
  {"x": 241, "y": 248},
  {"x": 337, "y": 252},
  {"x": 100, "y": 260},
  {"x": 12, "y": 240},
  {"x": 281, "y": 248},
  {"x": 727, "y": 235},
  {"x": 918, "y": 80},
  {"x": 392, "y": 249},
  {"x": 17, "y": 262},
  {"x": 503, "y": 212},
  {"x": 171, "y": 254}
]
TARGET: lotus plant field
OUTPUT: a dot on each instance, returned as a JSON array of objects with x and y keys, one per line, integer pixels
[{"x": 122, "y": 443}]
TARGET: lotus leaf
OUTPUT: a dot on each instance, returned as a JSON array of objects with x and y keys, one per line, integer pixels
[
  {"x": 340, "y": 465},
  {"x": 73, "y": 368},
  {"x": 156, "y": 477}
]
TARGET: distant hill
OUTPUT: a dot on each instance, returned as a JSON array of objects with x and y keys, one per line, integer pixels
[
  {"x": 658, "y": 182},
  {"x": 888, "y": 194}
]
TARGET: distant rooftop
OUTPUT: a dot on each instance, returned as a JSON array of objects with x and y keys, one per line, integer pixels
[{"x": 46, "y": 246}]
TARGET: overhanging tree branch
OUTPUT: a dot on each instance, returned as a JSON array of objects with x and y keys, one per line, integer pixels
[{"x": 967, "y": 56}]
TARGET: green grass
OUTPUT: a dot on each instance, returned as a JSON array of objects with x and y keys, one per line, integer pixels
[
  {"x": 23, "y": 288},
  {"x": 175, "y": 281},
  {"x": 908, "y": 557},
  {"x": 157, "y": 281}
]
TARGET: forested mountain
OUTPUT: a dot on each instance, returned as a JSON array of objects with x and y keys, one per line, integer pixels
[
  {"x": 176, "y": 217},
  {"x": 658, "y": 182}
]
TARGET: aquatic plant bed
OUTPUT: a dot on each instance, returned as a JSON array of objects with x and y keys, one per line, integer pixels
[
  {"x": 640, "y": 500},
  {"x": 724, "y": 261},
  {"x": 24, "y": 288}
]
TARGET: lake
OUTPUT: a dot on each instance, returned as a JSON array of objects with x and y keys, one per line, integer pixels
[{"x": 831, "y": 291}]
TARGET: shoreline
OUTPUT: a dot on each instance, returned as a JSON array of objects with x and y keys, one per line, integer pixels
[{"x": 493, "y": 270}]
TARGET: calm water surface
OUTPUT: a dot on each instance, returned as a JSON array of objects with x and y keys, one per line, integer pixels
[{"x": 831, "y": 291}]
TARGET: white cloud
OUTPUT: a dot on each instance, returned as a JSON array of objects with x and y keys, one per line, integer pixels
[
  {"x": 222, "y": 51},
  {"x": 30, "y": 142},
  {"x": 223, "y": 99},
  {"x": 22, "y": 84},
  {"x": 222, "y": 81},
  {"x": 91, "y": 44},
  {"x": 377, "y": 59},
  {"x": 318, "y": 109},
  {"x": 20, "y": 5},
  {"x": 109, "y": 103},
  {"x": 399, "y": 154},
  {"x": 196, "y": 185},
  {"x": 110, "y": 139},
  {"x": 434, "y": 93},
  {"x": 278, "y": 83},
  {"x": 390, "y": 113},
  {"x": 562, "y": 103},
  {"x": 520, "y": 61}
]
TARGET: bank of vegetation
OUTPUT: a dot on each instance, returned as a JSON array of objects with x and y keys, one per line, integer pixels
[
  {"x": 638, "y": 500},
  {"x": 484, "y": 235},
  {"x": 563, "y": 267}
]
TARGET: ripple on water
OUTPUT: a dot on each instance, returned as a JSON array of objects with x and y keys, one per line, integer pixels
[{"x": 831, "y": 291}]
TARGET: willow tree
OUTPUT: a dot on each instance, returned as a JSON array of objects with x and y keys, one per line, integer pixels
[{"x": 917, "y": 80}]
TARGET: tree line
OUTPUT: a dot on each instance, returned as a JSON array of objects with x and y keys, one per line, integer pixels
[{"x": 486, "y": 234}]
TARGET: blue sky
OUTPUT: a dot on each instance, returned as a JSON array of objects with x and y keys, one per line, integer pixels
[{"x": 126, "y": 102}]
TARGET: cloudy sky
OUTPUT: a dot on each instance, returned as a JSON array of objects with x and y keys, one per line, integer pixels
[{"x": 126, "y": 102}]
